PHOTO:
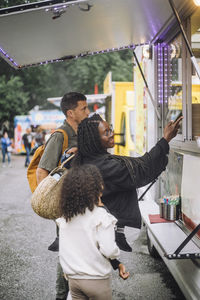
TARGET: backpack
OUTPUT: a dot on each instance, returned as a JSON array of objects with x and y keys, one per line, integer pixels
[{"x": 31, "y": 171}]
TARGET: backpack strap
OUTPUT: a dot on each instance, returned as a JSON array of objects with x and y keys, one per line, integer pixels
[{"x": 65, "y": 142}]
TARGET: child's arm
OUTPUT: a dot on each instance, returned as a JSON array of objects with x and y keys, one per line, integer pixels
[
  {"x": 122, "y": 272},
  {"x": 106, "y": 241},
  {"x": 116, "y": 264}
]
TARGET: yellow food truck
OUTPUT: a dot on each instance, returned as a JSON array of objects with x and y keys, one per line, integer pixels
[{"x": 119, "y": 111}]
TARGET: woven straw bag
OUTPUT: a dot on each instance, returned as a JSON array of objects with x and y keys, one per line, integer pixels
[{"x": 46, "y": 197}]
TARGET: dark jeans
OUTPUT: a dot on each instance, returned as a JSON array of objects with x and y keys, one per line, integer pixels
[
  {"x": 4, "y": 152},
  {"x": 27, "y": 161},
  {"x": 62, "y": 287}
]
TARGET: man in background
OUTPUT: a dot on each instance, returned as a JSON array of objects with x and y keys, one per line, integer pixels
[{"x": 27, "y": 139}]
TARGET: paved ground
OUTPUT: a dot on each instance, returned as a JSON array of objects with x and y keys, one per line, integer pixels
[{"x": 27, "y": 268}]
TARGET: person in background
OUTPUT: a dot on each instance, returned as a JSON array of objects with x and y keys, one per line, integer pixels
[
  {"x": 122, "y": 175},
  {"x": 39, "y": 137},
  {"x": 87, "y": 246},
  {"x": 27, "y": 139},
  {"x": 5, "y": 145}
]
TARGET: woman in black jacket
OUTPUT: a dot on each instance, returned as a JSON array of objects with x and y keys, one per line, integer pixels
[{"x": 122, "y": 175}]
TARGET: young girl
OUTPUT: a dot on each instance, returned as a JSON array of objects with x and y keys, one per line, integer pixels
[{"x": 86, "y": 236}]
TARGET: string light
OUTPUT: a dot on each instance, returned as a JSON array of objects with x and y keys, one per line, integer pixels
[
  {"x": 15, "y": 65},
  {"x": 2, "y": 51},
  {"x": 163, "y": 72},
  {"x": 160, "y": 73}
]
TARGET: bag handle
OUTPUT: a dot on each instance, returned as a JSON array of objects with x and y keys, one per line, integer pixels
[
  {"x": 68, "y": 159},
  {"x": 61, "y": 166}
]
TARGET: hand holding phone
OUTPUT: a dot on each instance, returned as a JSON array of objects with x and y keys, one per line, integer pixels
[
  {"x": 171, "y": 129},
  {"x": 179, "y": 115}
]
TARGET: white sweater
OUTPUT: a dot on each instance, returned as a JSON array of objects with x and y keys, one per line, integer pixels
[{"x": 86, "y": 243}]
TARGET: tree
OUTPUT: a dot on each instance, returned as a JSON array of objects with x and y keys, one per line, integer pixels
[
  {"x": 13, "y": 99},
  {"x": 82, "y": 74}
]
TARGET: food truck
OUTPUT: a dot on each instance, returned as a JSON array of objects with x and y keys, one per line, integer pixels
[
  {"x": 120, "y": 111},
  {"x": 164, "y": 36},
  {"x": 45, "y": 121}
]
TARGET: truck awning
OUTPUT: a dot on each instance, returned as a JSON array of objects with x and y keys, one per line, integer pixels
[{"x": 51, "y": 31}]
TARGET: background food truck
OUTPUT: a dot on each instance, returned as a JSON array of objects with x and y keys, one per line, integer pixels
[
  {"x": 38, "y": 120},
  {"x": 165, "y": 82},
  {"x": 120, "y": 112}
]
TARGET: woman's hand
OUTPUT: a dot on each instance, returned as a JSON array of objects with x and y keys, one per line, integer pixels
[
  {"x": 72, "y": 150},
  {"x": 171, "y": 129},
  {"x": 122, "y": 271}
]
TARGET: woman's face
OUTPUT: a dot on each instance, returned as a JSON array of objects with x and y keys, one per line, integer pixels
[{"x": 106, "y": 135}]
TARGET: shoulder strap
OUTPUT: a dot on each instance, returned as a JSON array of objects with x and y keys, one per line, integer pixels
[{"x": 65, "y": 142}]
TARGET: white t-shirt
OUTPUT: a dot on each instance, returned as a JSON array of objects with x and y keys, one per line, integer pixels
[{"x": 86, "y": 243}]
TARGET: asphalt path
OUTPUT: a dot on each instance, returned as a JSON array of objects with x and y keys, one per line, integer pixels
[{"x": 28, "y": 269}]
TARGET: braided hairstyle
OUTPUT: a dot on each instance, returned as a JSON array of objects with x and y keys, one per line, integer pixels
[
  {"x": 81, "y": 188},
  {"x": 89, "y": 142}
]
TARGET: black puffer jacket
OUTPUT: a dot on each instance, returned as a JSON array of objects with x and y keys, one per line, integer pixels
[{"x": 123, "y": 175}]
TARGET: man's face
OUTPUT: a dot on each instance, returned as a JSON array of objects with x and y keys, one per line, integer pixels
[{"x": 80, "y": 112}]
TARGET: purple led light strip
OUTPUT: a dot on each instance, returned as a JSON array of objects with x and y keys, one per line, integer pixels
[
  {"x": 78, "y": 56},
  {"x": 160, "y": 74},
  {"x": 163, "y": 75},
  {"x": 67, "y": 58},
  {"x": 8, "y": 57},
  {"x": 166, "y": 50}
]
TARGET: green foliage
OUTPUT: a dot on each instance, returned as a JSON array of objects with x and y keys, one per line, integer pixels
[
  {"x": 54, "y": 80},
  {"x": 38, "y": 83},
  {"x": 82, "y": 74},
  {"x": 13, "y": 99}
]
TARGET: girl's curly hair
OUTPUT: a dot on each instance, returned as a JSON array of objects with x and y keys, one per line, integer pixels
[{"x": 81, "y": 188}]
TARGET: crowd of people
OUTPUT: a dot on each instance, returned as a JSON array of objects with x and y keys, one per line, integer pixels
[{"x": 30, "y": 141}]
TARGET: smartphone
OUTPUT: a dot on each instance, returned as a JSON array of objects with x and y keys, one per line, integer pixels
[{"x": 179, "y": 115}]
